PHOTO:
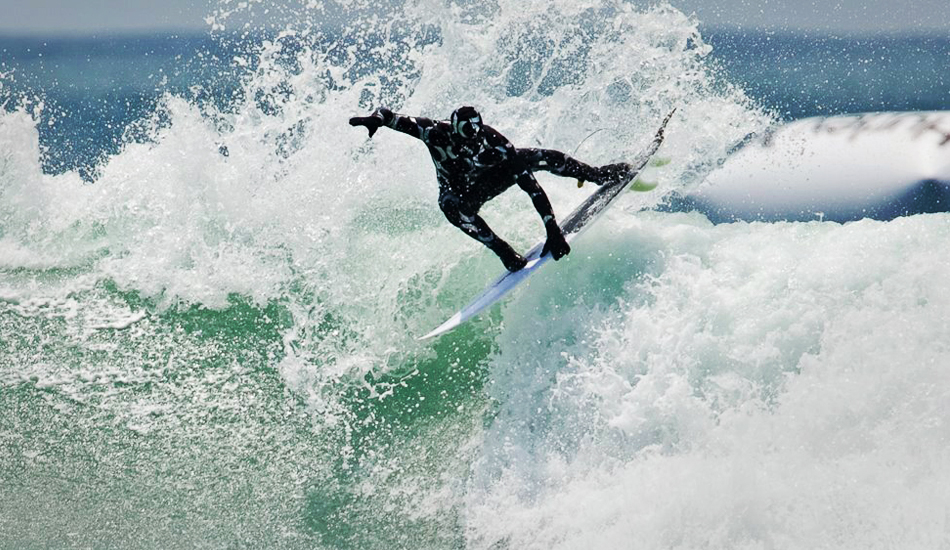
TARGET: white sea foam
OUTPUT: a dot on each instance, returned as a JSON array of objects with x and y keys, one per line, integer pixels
[{"x": 767, "y": 386}]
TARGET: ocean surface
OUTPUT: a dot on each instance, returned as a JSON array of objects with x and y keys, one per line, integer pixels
[{"x": 211, "y": 288}]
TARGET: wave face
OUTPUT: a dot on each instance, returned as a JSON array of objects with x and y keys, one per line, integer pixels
[{"x": 213, "y": 342}]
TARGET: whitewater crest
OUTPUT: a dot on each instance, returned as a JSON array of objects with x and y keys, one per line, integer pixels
[{"x": 271, "y": 197}]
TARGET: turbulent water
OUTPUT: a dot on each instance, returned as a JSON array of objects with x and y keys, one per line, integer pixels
[{"x": 208, "y": 338}]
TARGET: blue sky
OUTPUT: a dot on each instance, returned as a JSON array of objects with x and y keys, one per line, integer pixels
[{"x": 54, "y": 17}]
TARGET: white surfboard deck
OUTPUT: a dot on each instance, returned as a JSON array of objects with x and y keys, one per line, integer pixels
[{"x": 573, "y": 225}]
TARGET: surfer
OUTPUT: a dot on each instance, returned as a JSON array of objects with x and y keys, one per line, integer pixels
[{"x": 474, "y": 163}]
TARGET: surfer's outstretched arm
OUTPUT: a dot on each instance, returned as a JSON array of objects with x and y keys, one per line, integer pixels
[
  {"x": 410, "y": 125},
  {"x": 555, "y": 243}
]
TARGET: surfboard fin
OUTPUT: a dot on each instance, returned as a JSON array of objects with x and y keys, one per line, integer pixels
[{"x": 642, "y": 186}]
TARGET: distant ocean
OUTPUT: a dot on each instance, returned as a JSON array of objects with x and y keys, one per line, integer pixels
[
  {"x": 95, "y": 87},
  {"x": 211, "y": 286}
]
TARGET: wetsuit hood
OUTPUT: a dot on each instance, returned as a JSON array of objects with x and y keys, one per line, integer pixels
[{"x": 466, "y": 122}]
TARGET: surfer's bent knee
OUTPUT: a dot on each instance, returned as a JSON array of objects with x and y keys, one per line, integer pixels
[{"x": 455, "y": 210}]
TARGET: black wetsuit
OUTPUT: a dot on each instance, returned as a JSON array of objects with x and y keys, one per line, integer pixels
[{"x": 473, "y": 170}]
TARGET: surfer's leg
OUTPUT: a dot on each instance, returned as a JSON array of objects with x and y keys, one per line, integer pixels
[
  {"x": 474, "y": 226},
  {"x": 558, "y": 163},
  {"x": 556, "y": 242}
]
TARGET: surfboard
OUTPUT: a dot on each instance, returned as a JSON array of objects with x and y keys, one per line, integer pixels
[{"x": 572, "y": 226}]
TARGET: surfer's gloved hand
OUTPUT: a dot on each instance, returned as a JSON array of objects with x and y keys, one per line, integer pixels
[
  {"x": 556, "y": 244},
  {"x": 372, "y": 123}
]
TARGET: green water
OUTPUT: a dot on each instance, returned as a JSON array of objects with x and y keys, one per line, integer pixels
[{"x": 177, "y": 431}]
